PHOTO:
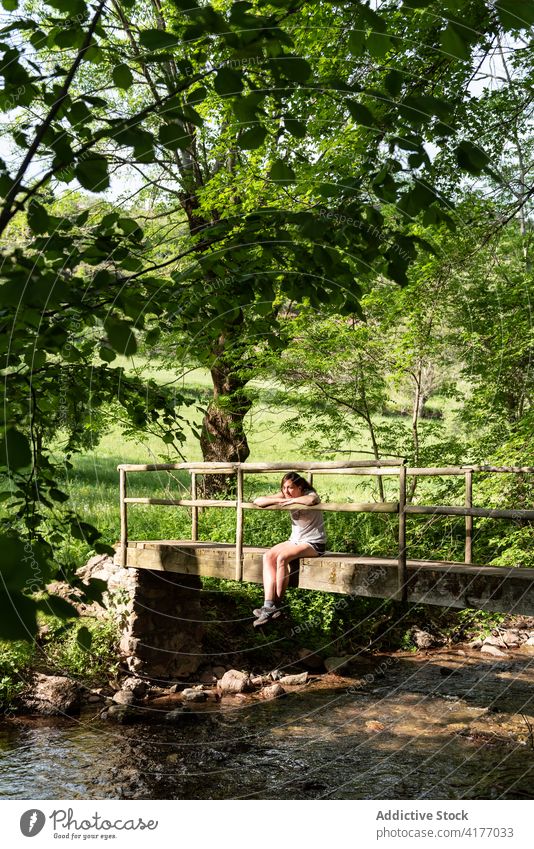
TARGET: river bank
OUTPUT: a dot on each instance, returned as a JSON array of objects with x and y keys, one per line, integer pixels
[{"x": 447, "y": 723}]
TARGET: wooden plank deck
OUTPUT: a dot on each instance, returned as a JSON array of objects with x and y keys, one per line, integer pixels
[{"x": 445, "y": 584}]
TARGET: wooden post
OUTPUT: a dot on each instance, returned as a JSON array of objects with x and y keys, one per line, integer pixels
[
  {"x": 402, "y": 572},
  {"x": 310, "y": 478},
  {"x": 194, "y": 510},
  {"x": 124, "y": 516},
  {"x": 239, "y": 528},
  {"x": 469, "y": 519}
]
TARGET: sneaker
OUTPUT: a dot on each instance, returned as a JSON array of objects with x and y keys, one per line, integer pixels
[
  {"x": 265, "y": 617},
  {"x": 265, "y": 614},
  {"x": 266, "y": 608}
]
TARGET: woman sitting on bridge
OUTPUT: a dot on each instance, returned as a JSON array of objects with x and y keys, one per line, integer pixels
[{"x": 307, "y": 539}]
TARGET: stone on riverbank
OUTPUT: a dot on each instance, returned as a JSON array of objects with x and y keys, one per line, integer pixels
[
  {"x": 52, "y": 695},
  {"x": 337, "y": 664},
  {"x": 274, "y": 691},
  {"x": 311, "y": 659}
]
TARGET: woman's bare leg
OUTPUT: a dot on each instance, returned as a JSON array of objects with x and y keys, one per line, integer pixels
[
  {"x": 276, "y": 564},
  {"x": 269, "y": 576}
]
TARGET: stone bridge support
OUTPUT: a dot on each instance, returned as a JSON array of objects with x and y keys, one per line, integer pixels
[{"x": 160, "y": 615}]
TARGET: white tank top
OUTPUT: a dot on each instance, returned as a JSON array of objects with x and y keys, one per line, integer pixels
[{"x": 307, "y": 526}]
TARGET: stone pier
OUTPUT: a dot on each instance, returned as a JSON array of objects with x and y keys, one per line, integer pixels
[{"x": 160, "y": 614}]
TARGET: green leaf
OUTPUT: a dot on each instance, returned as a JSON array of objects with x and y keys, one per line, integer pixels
[
  {"x": 10, "y": 5},
  {"x": 418, "y": 198},
  {"x": 361, "y": 114},
  {"x": 35, "y": 359},
  {"x": 253, "y": 138},
  {"x": 92, "y": 173},
  {"x": 79, "y": 114},
  {"x": 393, "y": 82},
  {"x": 197, "y": 95},
  {"x": 38, "y": 219},
  {"x": 174, "y": 136},
  {"x": 420, "y": 109},
  {"x": 246, "y": 108},
  {"x": 514, "y": 15},
  {"x": 397, "y": 271},
  {"x": 417, "y": 4},
  {"x": 187, "y": 113},
  {"x": 84, "y": 638},
  {"x": 18, "y": 620},
  {"x": 157, "y": 39},
  {"x": 95, "y": 101},
  {"x": 73, "y": 7},
  {"x": 122, "y": 76},
  {"x": 296, "y": 128},
  {"x": 107, "y": 354},
  {"x": 378, "y": 44},
  {"x": 356, "y": 42},
  {"x": 15, "y": 451},
  {"x": 57, "y": 495},
  {"x": 17, "y": 561},
  {"x": 228, "y": 81},
  {"x": 121, "y": 336},
  {"x": 102, "y": 548},
  {"x": 470, "y": 157},
  {"x": 282, "y": 173},
  {"x": 453, "y": 43},
  {"x": 293, "y": 68},
  {"x": 70, "y": 37}
]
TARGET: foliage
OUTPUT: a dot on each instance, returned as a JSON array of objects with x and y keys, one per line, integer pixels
[
  {"x": 16, "y": 658},
  {"x": 219, "y": 121},
  {"x": 66, "y": 653}
]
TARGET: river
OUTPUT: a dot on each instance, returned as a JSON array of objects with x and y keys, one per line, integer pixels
[{"x": 447, "y": 724}]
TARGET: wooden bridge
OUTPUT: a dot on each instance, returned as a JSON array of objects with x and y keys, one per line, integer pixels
[{"x": 447, "y": 584}]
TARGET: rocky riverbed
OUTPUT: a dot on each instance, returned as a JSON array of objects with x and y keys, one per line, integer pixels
[{"x": 447, "y": 723}]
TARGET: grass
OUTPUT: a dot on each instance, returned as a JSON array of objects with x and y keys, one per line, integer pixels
[{"x": 92, "y": 484}]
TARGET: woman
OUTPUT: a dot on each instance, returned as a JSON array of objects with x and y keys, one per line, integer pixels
[{"x": 307, "y": 539}]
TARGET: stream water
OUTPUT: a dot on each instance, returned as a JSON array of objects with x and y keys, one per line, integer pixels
[{"x": 446, "y": 725}]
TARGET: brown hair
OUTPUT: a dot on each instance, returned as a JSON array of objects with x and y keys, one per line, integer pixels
[{"x": 299, "y": 481}]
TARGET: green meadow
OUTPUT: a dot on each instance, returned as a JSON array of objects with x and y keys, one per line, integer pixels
[{"x": 92, "y": 484}]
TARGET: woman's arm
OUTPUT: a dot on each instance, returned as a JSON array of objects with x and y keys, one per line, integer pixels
[
  {"x": 308, "y": 500},
  {"x": 268, "y": 500}
]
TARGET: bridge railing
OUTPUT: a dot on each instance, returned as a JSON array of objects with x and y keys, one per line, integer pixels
[{"x": 355, "y": 467}]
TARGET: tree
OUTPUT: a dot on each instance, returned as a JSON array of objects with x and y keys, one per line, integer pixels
[{"x": 223, "y": 109}]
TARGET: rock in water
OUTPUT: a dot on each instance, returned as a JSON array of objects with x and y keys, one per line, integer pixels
[
  {"x": 274, "y": 691},
  {"x": 234, "y": 681},
  {"x": 124, "y": 697},
  {"x": 135, "y": 685},
  {"x": 293, "y": 680},
  {"x": 52, "y": 695},
  {"x": 493, "y": 650},
  {"x": 192, "y": 695}
]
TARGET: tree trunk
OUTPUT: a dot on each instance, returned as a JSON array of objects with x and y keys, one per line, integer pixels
[
  {"x": 418, "y": 404},
  {"x": 223, "y": 435}
]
